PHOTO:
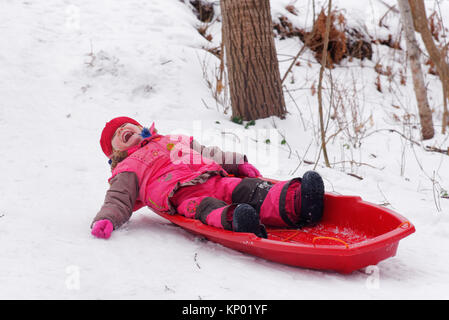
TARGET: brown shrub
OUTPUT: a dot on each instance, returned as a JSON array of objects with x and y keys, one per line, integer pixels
[
  {"x": 337, "y": 48},
  {"x": 343, "y": 41},
  {"x": 204, "y": 10},
  {"x": 285, "y": 29}
]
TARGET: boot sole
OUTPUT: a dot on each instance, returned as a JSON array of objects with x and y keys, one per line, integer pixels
[{"x": 312, "y": 198}]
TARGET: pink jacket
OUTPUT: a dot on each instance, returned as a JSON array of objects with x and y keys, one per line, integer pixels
[
  {"x": 164, "y": 164},
  {"x": 156, "y": 168}
]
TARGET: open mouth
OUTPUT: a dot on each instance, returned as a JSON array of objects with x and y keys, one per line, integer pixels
[{"x": 126, "y": 136}]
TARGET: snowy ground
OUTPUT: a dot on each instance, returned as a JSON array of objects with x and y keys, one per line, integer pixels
[{"x": 67, "y": 67}]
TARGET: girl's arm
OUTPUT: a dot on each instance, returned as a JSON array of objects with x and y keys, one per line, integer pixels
[
  {"x": 229, "y": 161},
  {"x": 120, "y": 199}
]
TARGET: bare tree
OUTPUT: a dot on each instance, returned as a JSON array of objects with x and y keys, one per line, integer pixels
[
  {"x": 425, "y": 114},
  {"x": 320, "y": 83},
  {"x": 437, "y": 57},
  {"x": 251, "y": 59}
]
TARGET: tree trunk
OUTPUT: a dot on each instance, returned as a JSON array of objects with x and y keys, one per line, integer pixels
[
  {"x": 425, "y": 114},
  {"x": 437, "y": 57},
  {"x": 254, "y": 78}
]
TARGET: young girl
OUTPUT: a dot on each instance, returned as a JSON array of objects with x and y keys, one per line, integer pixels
[{"x": 176, "y": 174}]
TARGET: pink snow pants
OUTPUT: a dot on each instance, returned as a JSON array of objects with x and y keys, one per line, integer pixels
[{"x": 214, "y": 201}]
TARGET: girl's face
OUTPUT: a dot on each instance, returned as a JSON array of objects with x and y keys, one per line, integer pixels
[{"x": 126, "y": 136}]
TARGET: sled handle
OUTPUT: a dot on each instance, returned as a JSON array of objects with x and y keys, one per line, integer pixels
[
  {"x": 330, "y": 238},
  {"x": 405, "y": 223}
]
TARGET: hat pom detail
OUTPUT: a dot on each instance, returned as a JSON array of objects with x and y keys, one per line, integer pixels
[{"x": 145, "y": 133}]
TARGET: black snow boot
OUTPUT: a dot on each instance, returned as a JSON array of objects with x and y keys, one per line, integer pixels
[
  {"x": 311, "y": 199},
  {"x": 246, "y": 219}
]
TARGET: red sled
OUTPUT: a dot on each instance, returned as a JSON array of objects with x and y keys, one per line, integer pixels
[{"x": 353, "y": 234}]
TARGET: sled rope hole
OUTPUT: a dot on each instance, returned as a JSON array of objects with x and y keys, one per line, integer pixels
[
  {"x": 405, "y": 223},
  {"x": 330, "y": 238}
]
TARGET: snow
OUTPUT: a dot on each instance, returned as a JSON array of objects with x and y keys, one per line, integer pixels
[{"x": 67, "y": 67}]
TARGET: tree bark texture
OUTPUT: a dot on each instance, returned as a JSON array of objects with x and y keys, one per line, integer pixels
[
  {"x": 413, "y": 54},
  {"x": 422, "y": 26},
  {"x": 251, "y": 59}
]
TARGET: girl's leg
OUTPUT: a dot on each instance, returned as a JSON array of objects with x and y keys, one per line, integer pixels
[
  {"x": 295, "y": 203},
  {"x": 211, "y": 211},
  {"x": 209, "y": 202},
  {"x": 216, "y": 187},
  {"x": 278, "y": 208},
  {"x": 216, "y": 213},
  {"x": 273, "y": 202}
]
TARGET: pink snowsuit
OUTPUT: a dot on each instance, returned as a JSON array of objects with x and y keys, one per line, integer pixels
[
  {"x": 213, "y": 201},
  {"x": 175, "y": 174}
]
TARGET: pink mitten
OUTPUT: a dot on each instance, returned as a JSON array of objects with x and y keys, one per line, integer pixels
[
  {"x": 102, "y": 229},
  {"x": 248, "y": 170}
]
